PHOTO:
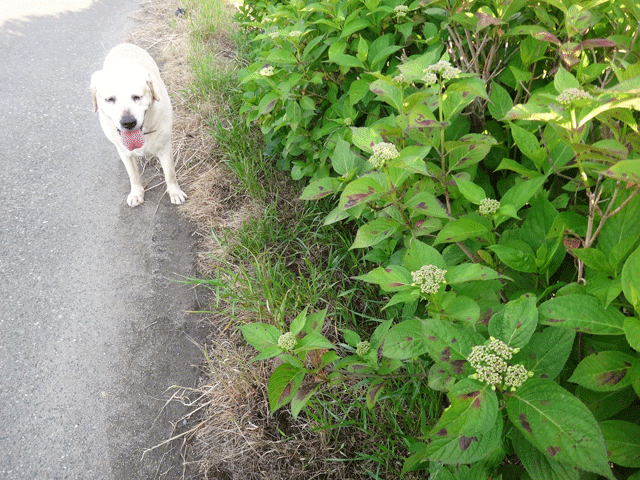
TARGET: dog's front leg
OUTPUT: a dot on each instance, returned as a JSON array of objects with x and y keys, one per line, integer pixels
[
  {"x": 173, "y": 189},
  {"x": 136, "y": 196}
]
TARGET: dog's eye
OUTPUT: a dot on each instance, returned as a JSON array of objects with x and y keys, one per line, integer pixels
[
  {"x": 135, "y": 98},
  {"x": 111, "y": 100}
]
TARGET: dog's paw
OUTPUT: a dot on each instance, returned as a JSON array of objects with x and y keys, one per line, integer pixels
[
  {"x": 135, "y": 198},
  {"x": 177, "y": 195}
]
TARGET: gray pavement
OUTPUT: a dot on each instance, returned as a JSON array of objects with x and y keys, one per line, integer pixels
[{"x": 93, "y": 329}]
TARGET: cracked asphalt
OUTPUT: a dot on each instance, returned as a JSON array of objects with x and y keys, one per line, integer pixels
[{"x": 93, "y": 324}]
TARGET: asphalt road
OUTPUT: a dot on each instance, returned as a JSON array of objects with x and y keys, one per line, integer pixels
[{"x": 93, "y": 329}]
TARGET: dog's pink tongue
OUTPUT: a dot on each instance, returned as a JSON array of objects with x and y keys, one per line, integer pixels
[{"x": 132, "y": 139}]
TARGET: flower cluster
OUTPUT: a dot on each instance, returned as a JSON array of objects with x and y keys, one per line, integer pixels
[
  {"x": 570, "y": 95},
  {"x": 400, "y": 78},
  {"x": 363, "y": 348},
  {"x": 287, "y": 341},
  {"x": 274, "y": 34},
  {"x": 442, "y": 68},
  {"x": 295, "y": 33},
  {"x": 488, "y": 206},
  {"x": 401, "y": 11},
  {"x": 267, "y": 71},
  {"x": 490, "y": 364},
  {"x": 382, "y": 153},
  {"x": 429, "y": 278}
]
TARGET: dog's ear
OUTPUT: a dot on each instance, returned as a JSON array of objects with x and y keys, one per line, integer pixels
[
  {"x": 94, "y": 86},
  {"x": 154, "y": 95}
]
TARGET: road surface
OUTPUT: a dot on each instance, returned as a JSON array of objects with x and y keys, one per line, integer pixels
[{"x": 93, "y": 325}]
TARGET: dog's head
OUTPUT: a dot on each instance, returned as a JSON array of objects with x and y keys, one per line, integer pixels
[{"x": 123, "y": 95}]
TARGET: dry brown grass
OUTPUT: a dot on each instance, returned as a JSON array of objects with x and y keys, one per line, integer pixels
[{"x": 230, "y": 434}]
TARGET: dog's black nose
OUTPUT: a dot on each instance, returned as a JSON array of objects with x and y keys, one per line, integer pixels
[{"x": 128, "y": 122}]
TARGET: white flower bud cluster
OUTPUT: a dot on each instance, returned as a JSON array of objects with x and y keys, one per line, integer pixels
[
  {"x": 363, "y": 348},
  {"x": 442, "y": 68},
  {"x": 570, "y": 95},
  {"x": 400, "y": 78},
  {"x": 274, "y": 35},
  {"x": 382, "y": 153},
  {"x": 401, "y": 11},
  {"x": 488, "y": 206},
  {"x": 490, "y": 364},
  {"x": 295, "y": 33},
  {"x": 267, "y": 71},
  {"x": 429, "y": 278},
  {"x": 287, "y": 341}
]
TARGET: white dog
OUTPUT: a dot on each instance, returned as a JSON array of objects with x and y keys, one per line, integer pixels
[{"x": 136, "y": 115}]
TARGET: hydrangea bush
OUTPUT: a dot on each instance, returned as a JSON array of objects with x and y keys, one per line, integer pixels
[{"x": 489, "y": 154}]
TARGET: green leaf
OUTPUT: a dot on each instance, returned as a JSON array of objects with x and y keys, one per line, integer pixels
[
  {"x": 563, "y": 80},
  {"x": 460, "y": 229},
  {"x": 520, "y": 259},
  {"x": 538, "y": 465},
  {"x": 605, "y": 405},
  {"x": 463, "y": 308},
  {"x": 469, "y": 190},
  {"x": 343, "y": 160},
  {"x": 558, "y": 425},
  {"x": 529, "y": 145},
  {"x": 283, "y": 385},
  {"x": 360, "y": 191},
  {"x": 604, "y": 371},
  {"x": 623, "y": 442},
  {"x": 404, "y": 340},
  {"x": 500, "y": 102},
  {"x": 344, "y": 60},
  {"x": 632, "y": 332},
  {"x": 547, "y": 352},
  {"x": 634, "y": 372},
  {"x": 594, "y": 258},
  {"x": 365, "y": 138},
  {"x": 267, "y": 103},
  {"x": 517, "y": 322},
  {"x": 426, "y": 203},
  {"x": 449, "y": 345},
  {"x": 260, "y": 335},
  {"x": 622, "y": 226},
  {"x": 320, "y": 188},
  {"x": 453, "y": 448},
  {"x": 625, "y": 170},
  {"x": 302, "y": 397},
  {"x": 375, "y": 231},
  {"x": 388, "y": 92},
  {"x": 583, "y": 313},
  {"x": 473, "y": 408},
  {"x": 297, "y": 324},
  {"x": 390, "y": 278},
  {"x": 470, "y": 272},
  {"x": 419, "y": 254},
  {"x": 376, "y": 387},
  {"x": 518, "y": 195},
  {"x": 631, "y": 279}
]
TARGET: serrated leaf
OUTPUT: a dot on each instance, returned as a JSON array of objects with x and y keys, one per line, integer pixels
[
  {"x": 528, "y": 144},
  {"x": 439, "y": 379},
  {"x": 404, "y": 340},
  {"x": 449, "y": 345},
  {"x": 623, "y": 442},
  {"x": 563, "y": 80},
  {"x": 520, "y": 259},
  {"x": 425, "y": 203},
  {"x": 469, "y": 190},
  {"x": 538, "y": 465},
  {"x": 302, "y": 397},
  {"x": 260, "y": 335},
  {"x": 388, "y": 92},
  {"x": 517, "y": 322},
  {"x": 283, "y": 385},
  {"x": 375, "y": 231},
  {"x": 419, "y": 254},
  {"x": 558, "y": 425},
  {"x": 470, "y": 272},
  {"x": 461, "y": 449},
  {"x": 547, "y": 352},
  {"x": 460, "y": 229},
  {"x": 365, "y": 138},
  {"x": 500, "y": 103},
  {"x": 631, "y": 279},
  {"x": 360, "y": 191},
  {"x": 583, "y": 313},
  {"x": 320, "y": 188},
  {"x": 390, "y": 278},
  {"x": 605, "y": 405},
  {"x": 473, "y": 408},
  {"x": 604, "y": 371},
  {"x": 632, "y": 332},
  {"x": 373, "y": 392}
]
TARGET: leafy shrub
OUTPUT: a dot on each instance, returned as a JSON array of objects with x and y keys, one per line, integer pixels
[{"x": 489, "y": 153}]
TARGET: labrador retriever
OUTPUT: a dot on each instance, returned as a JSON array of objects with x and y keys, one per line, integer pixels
[{"x": 136, "y": 115}]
